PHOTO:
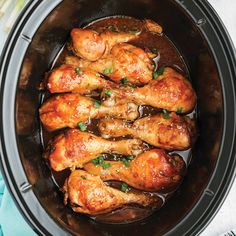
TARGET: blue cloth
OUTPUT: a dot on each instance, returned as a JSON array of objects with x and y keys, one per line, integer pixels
[{"x": 11, "y": 221}]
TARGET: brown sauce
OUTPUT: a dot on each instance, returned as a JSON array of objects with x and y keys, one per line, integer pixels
[{"x": 168, "y": 56}]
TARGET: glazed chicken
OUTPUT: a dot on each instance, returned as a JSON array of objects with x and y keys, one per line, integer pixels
[
  {"x": 168, "y": 131},
  {"x": 67, "y": 110},
  {"x": 124, "y": 61},
  {"x": 152, "y": 26},
  {"x": 153, "y": 170},
  {"x": 170, "y": 91},
  {"x": 88, "y": 194},
  {"x": 90, "y": 45},
  {"x": 69, "y": 78},
  {"x": 74, "y": 148}
]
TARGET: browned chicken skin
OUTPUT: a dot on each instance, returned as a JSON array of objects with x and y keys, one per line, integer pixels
[
  {"x": 152, "y": 26},
  {"x": 69, "y": 78},
  {"x": 67, "y": 110},
  {"x": 88, "y": 194},
  {"x": 74, "y": 148},
  {"x": 90, "y": 45},
  {"x": 170, "y": 91},
  {"x": 172, "y": 133},
  {"x": 153, "y": 170},
  {"x": 124, "y": 61}
]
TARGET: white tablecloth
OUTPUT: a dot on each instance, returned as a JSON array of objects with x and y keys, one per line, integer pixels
[{"x": 225, "y": 219}]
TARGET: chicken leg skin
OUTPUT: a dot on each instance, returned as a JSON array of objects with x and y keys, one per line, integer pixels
[
  {"x": 90, "y": 45},
  {"x": 88, "y": 194},
  {"x": 170, "y": 91},
  {"x": 67, "y": 110},
  {"x": 152, "y": 170},
  {"x": 69, "y": 78},
  {"x": 175, "y": 133},
  {"x": 124, "y": 61},
  {"x": 74, "y": 148}
]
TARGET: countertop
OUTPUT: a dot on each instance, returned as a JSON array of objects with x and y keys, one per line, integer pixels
[{"x": 225, "y": 219}]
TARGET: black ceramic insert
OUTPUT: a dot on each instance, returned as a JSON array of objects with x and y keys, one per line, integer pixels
[{"x": 39, "y": 35}]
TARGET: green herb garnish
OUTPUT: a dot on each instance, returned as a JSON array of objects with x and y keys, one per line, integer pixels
[
  {"x": 82, "y": 126},
  {"x": 100, "y": 161},
  {"x": 133, "y": 85},
  {"x": 97, "y": 104},
  {"x": 124, "y": 187},
  {"x": 157, "y": 73},
  {"x": 78, "y": 71},
  {"x": 112, "y": 28},
  {"x": 107, "y": 71},
  {"x": 124, "y": 80},
  {"x": 160, "y": 71},
  {"x": 166, "y": 114},
  {"x": 134, "y": 31},
  {"x": 83, "y": 177},
  {"x": 108, "y": 92},
  {"x": 106, "y": 165},
  {"x": 179, "y": 110},
  {"x": 154, "y": 50},
  {"x": 154, "y": 74},
  {"x": 130, "y": 157},
  {"x": 126, "y": 162}
]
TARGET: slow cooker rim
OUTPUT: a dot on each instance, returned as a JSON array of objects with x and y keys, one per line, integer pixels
[{"x": 6, "y": 170}]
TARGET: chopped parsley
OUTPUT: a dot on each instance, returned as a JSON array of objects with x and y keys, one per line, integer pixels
[
  {"x": 107, "y": 71},
  {"x": 130, "y": 157},
  {"x": 160, "y": 71},
  {"x": 83, "y": 177},
  {"x": 154, "y": 74},
  {"x": 97, "y": 104},
  {"x": 112, "y": 28},
  {"x": 179, "y": 110},
  {"x": 124, "y": 187},
  {"x": 154, "y": 50},
  {"x": 106, "y": 165},
  {"x": 166, "y": 114},
  {"x": 100, "y": 161},
  {"x": 134, "y": 31},
  {"x": 124, "y": 80},
  {"x": 78, "y": 71},
  {"x": 157, "y": 73},
  {"x": 133, "y": 85},
  {"x": 108, "y": 93},
  {"x": 126, "y": 162},
  {"x": 82, "y": 126}
]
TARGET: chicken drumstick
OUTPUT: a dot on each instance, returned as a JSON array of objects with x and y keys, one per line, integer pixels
[
  {"x": 153, "y": 170},
  {"x": 172, "y": 133},
  {"x": 67, "y": 110},
  {"x": 170, "y": 91},
  {"x": 69, "y": 78},
  {"x": 74, "y": 148},
  {"x": 88, "y": 194},
  {"x": 90, "y": 45},
  {"x": 124, "y": 61}
]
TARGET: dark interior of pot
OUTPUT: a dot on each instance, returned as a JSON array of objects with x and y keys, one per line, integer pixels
[{"x": 47, "y": 43}]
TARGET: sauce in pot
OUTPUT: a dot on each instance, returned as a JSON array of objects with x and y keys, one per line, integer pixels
[{"x": 168, "y": 55}]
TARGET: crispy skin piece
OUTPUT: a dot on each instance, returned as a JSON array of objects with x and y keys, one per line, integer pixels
[
  {"x": 124, "y": 61},
  {"x": 172, "y": 133},
  {"x": 69, "y": 78},
  {"x": 88, "y": 194},
  {"x": 170, "y": 91},
  {"x": 153, "y": 170},
  {"x": 74, "y": 148},
  {"x": 90, "y": 45},
  {"x": 152, "y": 26},
  {"x": 67, "y": 110}
]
